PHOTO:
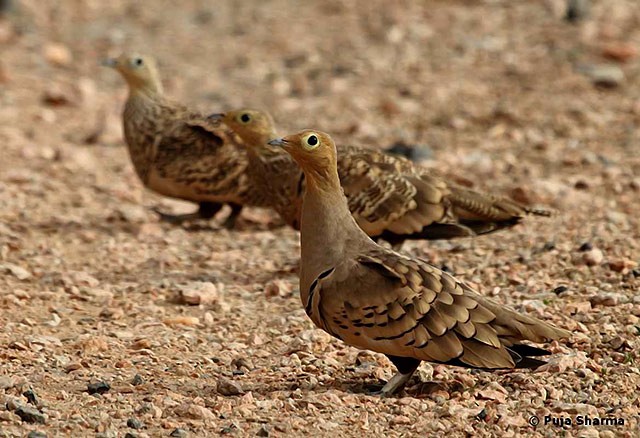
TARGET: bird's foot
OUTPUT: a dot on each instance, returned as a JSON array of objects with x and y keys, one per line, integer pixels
[
  {"x": 230, "y": 222},
  {"x": 394, "y": 385},
  {"x": 176, "y": 218}
]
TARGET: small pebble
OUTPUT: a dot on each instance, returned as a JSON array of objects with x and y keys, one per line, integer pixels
[
  {"x": 593, "y": 257},
  {"x": 130, "y": 435},
  {"x": 587, "y": 246},
  {"x": 98, "y": 388},
  {"x": 415, "y": 153},
  {"x": 137, "y": 380},
  {"x": 31, "y": 397},
  {"x": 179, "y": 433},
  {"x": 576, "y": 10},
  {"x": 30, "y": 415},
  {"x": 198, "y": 292},
  {"x": 549, "y": 246},
  {"x": 57, "y": 54},
  {"x": 607, "y": 299},
  {"x": 263, "y": 431},
  {"x": 228, "y": 387},
  {"x": 134, "y": 423},
  {"x": 6, "y": 382},
  {"x": 228, "y": 429},
  {"x": 605, "y": 75},
  {"x": 558, "y": 290},
  {"x": 36, "y": 434}
]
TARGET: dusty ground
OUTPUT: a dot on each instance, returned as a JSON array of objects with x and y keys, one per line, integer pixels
[{"x": 496, "y": 91}]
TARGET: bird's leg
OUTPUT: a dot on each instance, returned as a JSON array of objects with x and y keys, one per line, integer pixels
[
  {"x": 406, "y": 367},
  {"x": 206, "y": 211},
  {"x": 230, "y": 221}
]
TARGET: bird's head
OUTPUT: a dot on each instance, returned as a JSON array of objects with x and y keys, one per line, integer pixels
[
  {"x": 313, "y": 150},
  {"x": 254, "y": 127},
  {"x": 140, "y": 72}
]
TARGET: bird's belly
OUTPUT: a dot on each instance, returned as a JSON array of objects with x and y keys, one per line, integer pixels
[
  {"x": 174, "y": 189},
  {"x": 169, "y": 187}
]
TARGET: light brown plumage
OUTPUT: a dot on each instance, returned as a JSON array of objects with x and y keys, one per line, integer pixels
[
  {"x": 389, "y": 196},
  {"x": 375, "y": 298},
  {"x": 178, "y": 152}
]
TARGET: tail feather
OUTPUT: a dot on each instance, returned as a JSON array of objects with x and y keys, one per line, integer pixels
[{"x": 521, "y": 356}]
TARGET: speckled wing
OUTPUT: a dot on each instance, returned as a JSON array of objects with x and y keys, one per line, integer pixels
[
  {"x": 395, "y": 305},
  {"x": 204, "y": 158},
  {"x": 385, "y": 193}
]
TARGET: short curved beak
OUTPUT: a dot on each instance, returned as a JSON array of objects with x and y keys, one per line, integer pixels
[
  {"x": 109, "y": 62},
  {"x": 278, "y": 142},
  {"x": 216, "y": 117}
]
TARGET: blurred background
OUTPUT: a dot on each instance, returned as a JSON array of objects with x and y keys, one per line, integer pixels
[{"x": 511, "y": 92}]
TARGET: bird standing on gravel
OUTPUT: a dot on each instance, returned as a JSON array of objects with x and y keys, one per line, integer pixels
[
  {"x": 377, "y": 299},
  {"x": 389, "y": 196},
  {"x": 177, "y": 152}
]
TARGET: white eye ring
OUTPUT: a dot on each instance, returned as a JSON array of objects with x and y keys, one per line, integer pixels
[{"x": 310, "y": 141}]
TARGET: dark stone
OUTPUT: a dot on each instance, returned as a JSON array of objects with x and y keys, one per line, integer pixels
[
  {"x": 98, "y": 388},
  {"x": 137, "y": 380},
  {"x": 134, "y": 423},
  {"x": 560, "y": 289},
  {"x": 587, "y": 246},
  {"x": 31, "y": 397},
  {"x": 36, "y": 434},
  {"x": 263, "y": 431},
  {"x": 412, "y": 152},
  {"x": 178, "y": 433},
  {"x": 576, "y": 10},
  {"x": 228, "y": 429},
  {"x": 30, "y": 415},
  {"x": 130, "y": 435}
]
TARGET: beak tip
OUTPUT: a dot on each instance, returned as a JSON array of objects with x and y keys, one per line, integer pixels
[
  {"x": 215, "y": 117},
  {"x": 108, "y": 62},
  {"x": 277, "y": 142}
]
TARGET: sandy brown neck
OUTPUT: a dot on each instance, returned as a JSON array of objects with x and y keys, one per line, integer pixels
[
  {"x": 144, "y": 87},
  {"x": 148, "y": 92},
  {"x": 328, "y": 231}
]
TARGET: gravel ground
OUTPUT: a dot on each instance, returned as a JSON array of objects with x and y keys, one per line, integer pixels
[{"x": 115, "y": 325}]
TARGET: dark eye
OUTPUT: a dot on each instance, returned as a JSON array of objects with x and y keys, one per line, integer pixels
[
  {"x": 245, "y": 118},
  {"x": 138, "y": 62},
  {"x": 310, "y": 141}
]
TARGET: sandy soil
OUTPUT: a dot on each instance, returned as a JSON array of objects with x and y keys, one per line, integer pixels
[{"x": 499, "y": 94}]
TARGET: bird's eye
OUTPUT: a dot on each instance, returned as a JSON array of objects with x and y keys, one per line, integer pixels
[
  {"x": 311, "y": 141},
  {"x": 138, "y": 62},
  {"x": 245, "y": 118}
]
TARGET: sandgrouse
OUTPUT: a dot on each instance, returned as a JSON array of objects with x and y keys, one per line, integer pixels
[
  {"x": 374, "y": 298},
  {"x": 389, "y": 196},
  {"x": 177, "y": 152}
]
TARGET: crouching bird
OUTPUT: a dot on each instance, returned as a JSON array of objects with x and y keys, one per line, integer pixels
[
  {"x": 374, "y": 298},
  {"x": 389, "y": 196},
  {"x": 177, "y": 152}
]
